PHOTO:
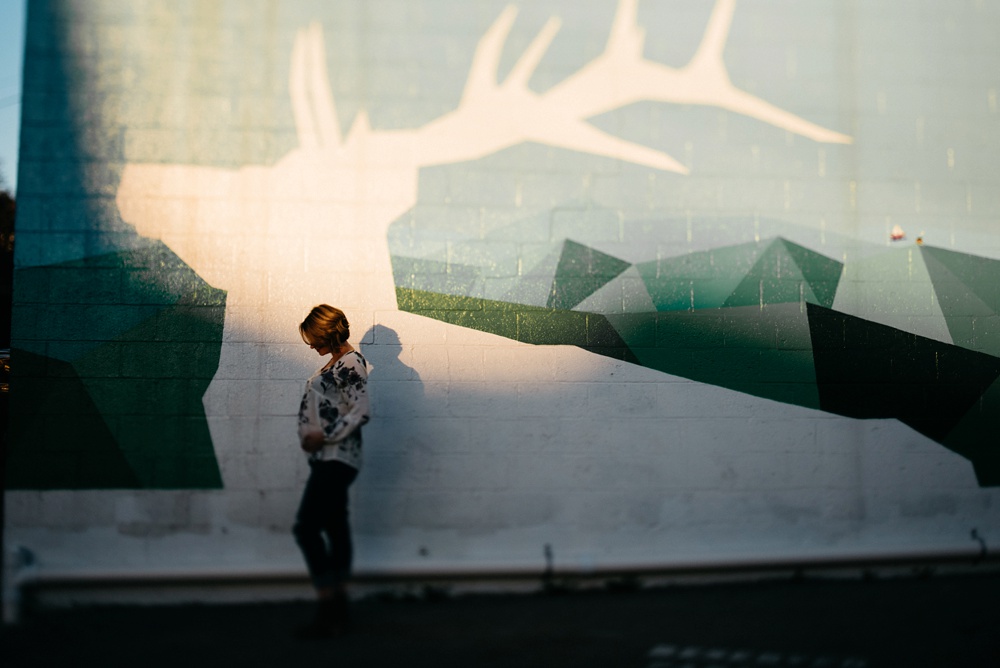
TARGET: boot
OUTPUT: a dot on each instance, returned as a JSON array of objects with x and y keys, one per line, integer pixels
[
  {"x": 341, "y": 611},
  {"x": 330, "y": 620}
]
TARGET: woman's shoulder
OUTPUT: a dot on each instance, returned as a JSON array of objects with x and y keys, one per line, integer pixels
[
  {"x": 352, "y": 358},
  {"x": 356, "y": 364},
  {"x": 350, "y": 363}
]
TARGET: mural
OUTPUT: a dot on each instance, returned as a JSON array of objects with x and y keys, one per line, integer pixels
[
  {"x": 382, "y": 168},
  {"x": 209, "y": 256}
]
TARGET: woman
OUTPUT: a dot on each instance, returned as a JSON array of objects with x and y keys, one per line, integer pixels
[{"x": 334, "y": 406}]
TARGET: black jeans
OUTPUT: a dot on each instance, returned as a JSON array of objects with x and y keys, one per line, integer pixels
[{"x": 321, "y": 527}]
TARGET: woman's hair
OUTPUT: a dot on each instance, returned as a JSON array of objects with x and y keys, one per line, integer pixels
[{"x": 325, "y": 324}]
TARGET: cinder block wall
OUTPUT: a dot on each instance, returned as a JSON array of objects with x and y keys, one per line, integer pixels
[{"x": 643, "y": 313}]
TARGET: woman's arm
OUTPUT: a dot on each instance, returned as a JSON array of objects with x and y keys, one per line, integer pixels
[{"x": 310, "y": 429}]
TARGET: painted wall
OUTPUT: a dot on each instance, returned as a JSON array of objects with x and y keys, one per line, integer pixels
[{"x": 653, "y": 282}]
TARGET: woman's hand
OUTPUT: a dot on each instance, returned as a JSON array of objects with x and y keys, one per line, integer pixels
[{"x": 312, "y": 442}]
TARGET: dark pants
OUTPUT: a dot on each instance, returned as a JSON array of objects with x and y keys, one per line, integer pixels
[{"x": 321, "y": 527}]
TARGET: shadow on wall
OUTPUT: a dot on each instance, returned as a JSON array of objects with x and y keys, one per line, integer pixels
[
  {"x": 114, "y": 338},
  {"x": 392, "y": 446},
  {"x": 124, "y": 372}
]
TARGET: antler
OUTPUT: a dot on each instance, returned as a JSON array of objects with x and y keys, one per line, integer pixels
[
  {"x": 703, "y": 81},
  {"x": 493, "y": 116},
  {"x": 312, "y": 99},
  {"x": 309, "y": 87}
]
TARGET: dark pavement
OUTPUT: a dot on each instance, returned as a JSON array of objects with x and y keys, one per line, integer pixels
[{"x": 933, "y": 620}]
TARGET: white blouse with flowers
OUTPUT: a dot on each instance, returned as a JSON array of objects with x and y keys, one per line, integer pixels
[{"x": 335, "y": 404}]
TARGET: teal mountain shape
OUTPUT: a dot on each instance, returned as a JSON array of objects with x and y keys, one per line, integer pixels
[
  {"x": 111, "y": 357},
  {"x": 580, "y": 273},
  {"x": 776, "y": 271},
  {"x": 757, "y": 318}
]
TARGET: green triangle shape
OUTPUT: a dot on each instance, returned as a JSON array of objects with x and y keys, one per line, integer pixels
[
  {"x": 955, "y": 297},
  {"x": 774, "y": 279},
  {"x": 625, "y": 294},
  {"x": 166, "y": 442},
  {"x": 971, "y": 322},
  {"x": 975, "y": 437},
  {"x": 698, "y": 280},
  {"x": 533, "y": 285},
  {"x": 820, "y": 272},
  {"x": 81, "y": 453},
  {"x": 869, "y": 370},
  {"x": 980, "y": 275},
  {"x": 580, "y": 273}
]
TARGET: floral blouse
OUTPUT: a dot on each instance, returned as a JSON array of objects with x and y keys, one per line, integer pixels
[{"x": 335, "y": 403}]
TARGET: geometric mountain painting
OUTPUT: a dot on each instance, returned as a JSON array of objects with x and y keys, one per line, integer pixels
[
  {"x": 112, "y": 396},
  {"x": 769, "y": 318}
]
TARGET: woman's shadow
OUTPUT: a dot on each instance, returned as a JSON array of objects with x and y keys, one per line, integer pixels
[{"x": 390, "y": 447}]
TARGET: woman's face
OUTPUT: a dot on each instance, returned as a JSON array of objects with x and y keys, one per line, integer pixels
[{"x": 320, "y": 347}]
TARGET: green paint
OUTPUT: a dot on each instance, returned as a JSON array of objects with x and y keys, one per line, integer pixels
[
  {"x": 697, "y": 280},
  {"x": 528, "y": 324},
  {"x": 581, "y": 272},
  {"x": 624, "y": 294},
  {"x": 970, "y": 311},
  {"x": 770, "y": 336},
  {"x": 60, "y": 440},
  {"x": 759, "y": 273},
  {"x": 774, "y": 279},
  {"x": 533, "y": 285},
  {"x": 979, "y": 275},
  {"x": 137, "y": 362},
  {"x": 736, "y": 348},
  {"x": 821, "y": 273},
  {"x": 975, "y": 436},
  {"x": 868, "y": 370},
  {"x": 787, "y": 272}
]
